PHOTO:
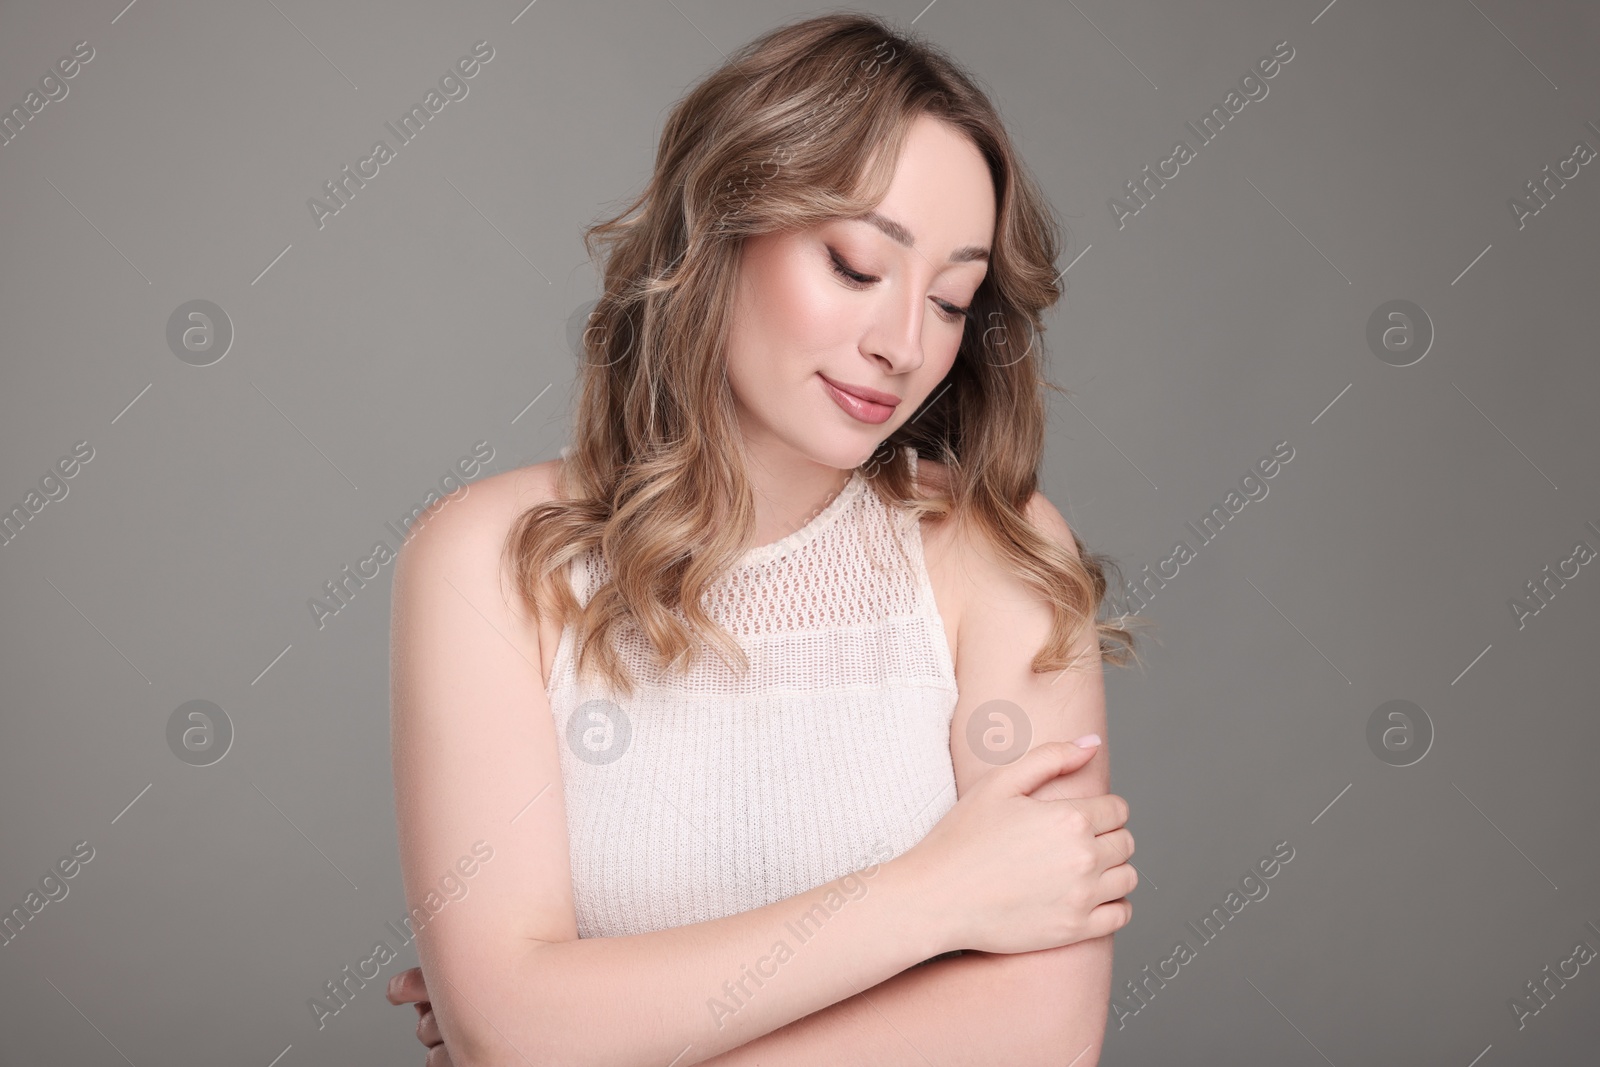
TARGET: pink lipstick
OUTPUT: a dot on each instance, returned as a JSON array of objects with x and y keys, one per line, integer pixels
[{"x": 867, "y": 405}]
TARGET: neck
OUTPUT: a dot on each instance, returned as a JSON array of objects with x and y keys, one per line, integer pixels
[{"x": 787, "y": 499}]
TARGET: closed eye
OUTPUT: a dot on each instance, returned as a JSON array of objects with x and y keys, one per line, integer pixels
[{"x": 947, "y": 311}]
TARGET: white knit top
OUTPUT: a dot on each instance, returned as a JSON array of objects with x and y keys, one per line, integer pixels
[{"x": 710, "y": 793}]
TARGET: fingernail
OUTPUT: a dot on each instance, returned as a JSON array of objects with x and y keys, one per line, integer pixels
[{"x": 1087, "y": 741}]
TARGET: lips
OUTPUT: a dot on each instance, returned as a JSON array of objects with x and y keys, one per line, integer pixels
[
  {"x": 861, "y": 392},
  {"x": 860, "y": 403}
]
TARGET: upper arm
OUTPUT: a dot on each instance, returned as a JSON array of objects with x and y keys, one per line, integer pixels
[
  {"x": 476, "y": 772},
  {"x": 1003, "y": 624},
  {"x": 1060, "y": 995}
]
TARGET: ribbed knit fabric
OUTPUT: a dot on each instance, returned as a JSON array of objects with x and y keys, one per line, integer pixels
[{"x": 709, "y": 793}]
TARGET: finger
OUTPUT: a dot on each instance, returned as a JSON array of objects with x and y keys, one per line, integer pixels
[
  {"x": 428, "y": 1029},
  {"x": 1107, "y": 918},
  {"x": 1114, "y": 847},
  {"x": 1105, "y": 812},
  {"x": 1046, "y": 761},
  {"x": 1060, "y": 787},
  {"x": 406, "y": 987},
  {"x": 1116, "y": 883}
]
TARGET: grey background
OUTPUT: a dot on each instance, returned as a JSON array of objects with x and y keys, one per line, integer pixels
[{"x": 429, "y": 314}]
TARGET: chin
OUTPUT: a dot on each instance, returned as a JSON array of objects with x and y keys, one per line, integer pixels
[
  {"x": 838, "y": 452},
  {"x": 847, "y": 455}
]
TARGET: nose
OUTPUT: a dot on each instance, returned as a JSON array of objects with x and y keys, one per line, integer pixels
[{"x": 895, "y": 337}]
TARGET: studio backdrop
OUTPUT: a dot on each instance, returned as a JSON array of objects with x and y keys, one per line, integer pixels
[{"x": 1329, "y": 345}]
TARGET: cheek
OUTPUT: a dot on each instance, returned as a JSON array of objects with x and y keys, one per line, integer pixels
[
  {"x": 753, "y": 385},
  {"x": 800, "y": 310},
  {"x": 938, "y": 364},
  {"x": 935, "y": 368}
]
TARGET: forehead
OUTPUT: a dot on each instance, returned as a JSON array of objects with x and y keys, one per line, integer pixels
[{"x": 942, "y": 191}]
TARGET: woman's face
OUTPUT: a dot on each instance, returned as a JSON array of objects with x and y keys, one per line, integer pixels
[{"x": 868, "y": 305}]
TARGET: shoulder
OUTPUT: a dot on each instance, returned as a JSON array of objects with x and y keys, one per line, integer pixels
[
  {"x": 1004, "y": 623},
  {"x": 1048, "y": 520},
  {"x": 462, "y": 536},
  {"x": 964, "y": 541},
  {"x": 485, "y": 507},
  {"x": 970, "y": 575}
]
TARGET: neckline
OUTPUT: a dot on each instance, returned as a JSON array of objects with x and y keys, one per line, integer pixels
[{"x": 822, "y": 519}]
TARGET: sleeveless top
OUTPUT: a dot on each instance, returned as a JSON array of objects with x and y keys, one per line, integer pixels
[{"x": 710, "y": 792}]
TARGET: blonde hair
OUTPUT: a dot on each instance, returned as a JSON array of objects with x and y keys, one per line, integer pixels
[{"x": 780, "y": 138}]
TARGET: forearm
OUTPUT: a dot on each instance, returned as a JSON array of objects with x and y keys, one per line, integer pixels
[
  {"x": 980, "y": 1009},
  {"x": 685, "y": 994}
]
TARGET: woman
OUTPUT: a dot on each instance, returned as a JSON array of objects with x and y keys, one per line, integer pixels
[{"x": 807, "y": 699}]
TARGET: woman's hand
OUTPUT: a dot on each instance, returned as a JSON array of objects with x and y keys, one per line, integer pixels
[
  {"x": 406, "y": 987},
  {"x": 1014, "y": 872}
]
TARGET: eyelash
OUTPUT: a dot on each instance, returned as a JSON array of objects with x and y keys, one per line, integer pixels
[{"x": 947, "y": 311}]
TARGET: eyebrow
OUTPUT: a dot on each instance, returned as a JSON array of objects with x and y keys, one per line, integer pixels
[{"x": 964, "y": 254}]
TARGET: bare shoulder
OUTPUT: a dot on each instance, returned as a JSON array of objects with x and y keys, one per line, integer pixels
[
  {"x": 967, "y": 572},
  {"x": 949, "y": 535},
  {"x": 1048, "y": 520},
  {"x": 514, "y": 491},
  {"x": 461, "y": 538},
  {"x": 484, "y": 509}
]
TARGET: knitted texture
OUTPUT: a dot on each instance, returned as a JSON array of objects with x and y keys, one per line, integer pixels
[{"x": 711, "y": 792}]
